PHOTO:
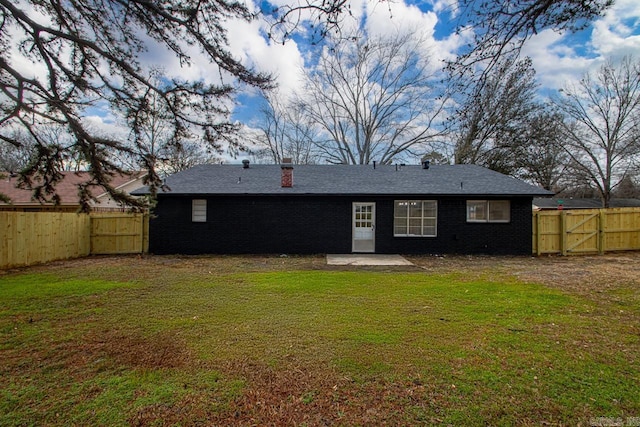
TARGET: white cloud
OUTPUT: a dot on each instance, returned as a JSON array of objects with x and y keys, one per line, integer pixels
[
  {"x": 389, "y": 18},
  {"x": 554, "y": 62},
  {"x": 284, "y": 61},
  {"x": 445, "y": 6},
  {"x": 613, "y": 35},
  {"x": 24, "y": 63},
  {"x": 560, "y": 58},
  {"x": 200, "y": 67},
  {"x": 106, "y": 126},
  {"x": 400, "y": 16}
]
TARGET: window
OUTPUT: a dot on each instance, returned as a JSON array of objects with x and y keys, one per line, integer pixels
[
  {"x": 199, "y": 210},
  {"x": 415, "y": 218},
  {"x": 488, "y": 211}
]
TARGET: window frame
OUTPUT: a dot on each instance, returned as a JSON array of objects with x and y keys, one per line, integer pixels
[
  {"x": 486, "y": 205},
  {"x": 198, "y": 210},
  {"x": 422, "y": 217}
]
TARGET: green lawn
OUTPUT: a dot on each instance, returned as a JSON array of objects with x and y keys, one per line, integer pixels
[{"x": 144, "y": 342}]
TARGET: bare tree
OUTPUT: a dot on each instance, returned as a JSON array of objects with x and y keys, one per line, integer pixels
[
  {"x": 14, "y": 158},
  {"x": 154, "y": 142},
  {"x": 154, "y": 132},
  {"x": 52, "y": 141},
  {"x": 491, "y": 118},
  {"x": 89, "y": 51},
  {"x": 435, "y": 157},
  {"x": 602, "y": 124},
  {"x": 318, "y": 18},
  {"x": 18, "y": 156},
  {"x": 539, "y": 154},
  {"x": 629, "y": 188},
  {"x": 374, "y": 99},
  {"x": 285, "y": 131},
  {"x": 178, "y": 157},
  {"x": 174, "y": 157}
]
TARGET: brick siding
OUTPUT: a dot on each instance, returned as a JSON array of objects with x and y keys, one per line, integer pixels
[{"x": 322, "y": 224}]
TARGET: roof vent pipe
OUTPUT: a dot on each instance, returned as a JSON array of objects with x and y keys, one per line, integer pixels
[
  {"x": 374, "y": 164},
  {"x": 425, "y": 164},
  {"x": 245, "y": 164}
]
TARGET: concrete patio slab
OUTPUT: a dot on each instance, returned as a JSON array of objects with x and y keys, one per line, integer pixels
[{"x": 366, "y": 259}]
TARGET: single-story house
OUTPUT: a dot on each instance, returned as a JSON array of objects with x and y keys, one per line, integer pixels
[
  {"x": 67, "y": 188},
  {"x": 296, "y": 209}
]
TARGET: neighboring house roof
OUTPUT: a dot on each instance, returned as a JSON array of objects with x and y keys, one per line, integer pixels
[
  {"x": 570, "y": 203},
  {"x": 67, "y": 188},
  {"x": 347, "y": 179}
]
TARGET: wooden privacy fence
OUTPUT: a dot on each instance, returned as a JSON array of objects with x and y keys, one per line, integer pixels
[
  {"x": 34, "y": 237},
  {"x": 28, "y": 238},
  {"x": 580, "y": 231}
]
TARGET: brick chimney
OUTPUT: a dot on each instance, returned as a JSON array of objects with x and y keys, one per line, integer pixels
[{"x": 287, "y": 173}]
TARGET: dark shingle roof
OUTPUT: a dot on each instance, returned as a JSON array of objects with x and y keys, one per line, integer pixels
[{"x": 348, "y": 180}]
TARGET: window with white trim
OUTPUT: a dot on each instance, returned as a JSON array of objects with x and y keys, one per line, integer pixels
[
  {"x": 415, "y": 218},
  {"x": 199, "y": 210},
  {"x": 488, "y": 211}
]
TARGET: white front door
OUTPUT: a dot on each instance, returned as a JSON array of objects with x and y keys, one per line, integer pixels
[{"x": 364, "y": 224}]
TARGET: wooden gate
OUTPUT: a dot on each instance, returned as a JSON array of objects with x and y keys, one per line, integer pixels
[
  {"x": 122, "y": 233},
  {"x": 581, "y": 232}
]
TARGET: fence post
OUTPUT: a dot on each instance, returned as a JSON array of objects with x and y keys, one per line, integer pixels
[
  {"x": 602, "y": 229},
  {"x": 536, "y": 217},
  {"x": 145, "y": 232},
  {"x": 563, "y": 233}
]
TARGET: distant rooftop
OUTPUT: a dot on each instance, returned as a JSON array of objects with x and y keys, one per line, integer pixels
[
  {"x": 571, "y": 203},
  {"x": 259, "y": 179},
  {"x": 67, "y": 188}
]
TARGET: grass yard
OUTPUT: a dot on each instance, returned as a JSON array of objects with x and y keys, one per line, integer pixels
[{"x": 470, "y": 341}]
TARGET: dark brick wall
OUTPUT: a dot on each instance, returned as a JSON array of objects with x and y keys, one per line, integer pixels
[
  {"x": 304, "y": 224},
  {"x": 257, "y": 225}
]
